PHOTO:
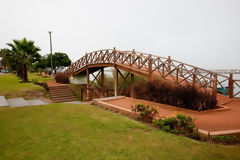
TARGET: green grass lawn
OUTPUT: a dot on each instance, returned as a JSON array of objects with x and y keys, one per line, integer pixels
[
  {"x": 68, "y": 131},
  {"x": 12, "y": 87}
]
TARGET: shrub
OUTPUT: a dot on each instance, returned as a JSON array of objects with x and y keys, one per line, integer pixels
[
  {"x": 185, "y": 96},
  {"x": 221, "y": 139},
  {"x": 166, "y": 128},
  {"x": 42, "y": 84},
  {"x": 174, "y": 131},
  {"x": 178, "y": 125},
  {"x": 225, "y": 139},
  {"x": 146, "y": 113},
  {"x": 195, "y": 135},
  {"x": 61, "y": 78}
]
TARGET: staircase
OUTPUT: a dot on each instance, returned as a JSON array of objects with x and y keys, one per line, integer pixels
[{"x": 61, "y": 93}]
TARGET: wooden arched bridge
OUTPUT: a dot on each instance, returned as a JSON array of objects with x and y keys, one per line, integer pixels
[{"x": 151, "y": 67}]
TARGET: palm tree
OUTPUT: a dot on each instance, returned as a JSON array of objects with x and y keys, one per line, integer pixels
[
  {"x": 7, "y": 59},
  {"x": 23, "y": 53}
]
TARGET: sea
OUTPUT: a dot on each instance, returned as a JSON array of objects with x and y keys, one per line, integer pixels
[{"x": 236, "y": 89}]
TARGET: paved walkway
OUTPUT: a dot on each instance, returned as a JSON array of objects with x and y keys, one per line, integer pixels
[
  {"x": 54, "y": 83},
  {"x": 3, "y": 101},
  {"x": 20, "y": 102},
  {"x": 77, "y": 102}
]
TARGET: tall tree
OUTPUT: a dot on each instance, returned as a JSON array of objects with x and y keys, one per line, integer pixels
[
  {"x": 25, "y": 54},
  {"x": 59, "y": 60},
  {"x": 8, "y": 60},
  {"x": 41, "y": 64},
  {"x": 3, "y": 60}
]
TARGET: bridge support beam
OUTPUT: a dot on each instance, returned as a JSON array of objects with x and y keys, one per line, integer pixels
[
  {"x": 169, "y": 63},
  {"x": 230, "y": 86},
  {"x": 214, "y": 87},
  {"x": 115, "y": 81},
  {"x": 132, "y": 85},
  {"x": 88, "y": 85},
  {"x": 150, "y": 64},
  {"x": 102, "y": 82}
]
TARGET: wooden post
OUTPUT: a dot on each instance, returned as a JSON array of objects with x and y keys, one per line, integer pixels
[
  {"x": 115, "y": 81},
  {"x": 211, "y": 76},
  {"x": 163, "y": 68},
  {"x": 132, "y": 86},
  {"x": 230, "y": 86},
  {"x": 194, "y": 77},
  {"x": 177, "y": 76},
  {"x": 214, "y": 89},
  {"x": 102, "y": 82},
  {"x": 87, "y": 75},
  {"x": 81, "y": 94},
  {"x": 133, "y": 55},
  {"x": 182, "y": 70},
  {"x": 114, "y": 55},
  {"x": 86, "y": 58},
  {"x": 169, "y": 63},
  {"x": 150, "y": 64}
]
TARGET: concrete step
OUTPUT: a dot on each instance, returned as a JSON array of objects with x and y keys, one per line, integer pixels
[{"x": 3, "y": 101}]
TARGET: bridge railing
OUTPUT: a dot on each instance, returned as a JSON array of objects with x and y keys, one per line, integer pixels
[
  {"x": 173, "y": 70},
  {"x": 236, "y": 84}
]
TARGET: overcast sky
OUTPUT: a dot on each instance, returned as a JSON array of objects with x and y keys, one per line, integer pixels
[{"x": 204, "y": 33}]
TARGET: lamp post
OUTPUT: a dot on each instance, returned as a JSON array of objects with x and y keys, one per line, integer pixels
[{"x": 50, "y": 34}]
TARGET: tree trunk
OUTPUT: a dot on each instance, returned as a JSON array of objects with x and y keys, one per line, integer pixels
[
  {"x": 19, "y": 72},
  {"x": 22, "y": 72},
  {"x": 25, "y": 77}
]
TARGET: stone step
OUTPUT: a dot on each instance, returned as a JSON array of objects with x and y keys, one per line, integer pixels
[{"x": 3, "y": 101}]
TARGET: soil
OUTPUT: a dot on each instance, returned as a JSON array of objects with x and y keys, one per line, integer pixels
[{"x": 214, "y": 120}]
